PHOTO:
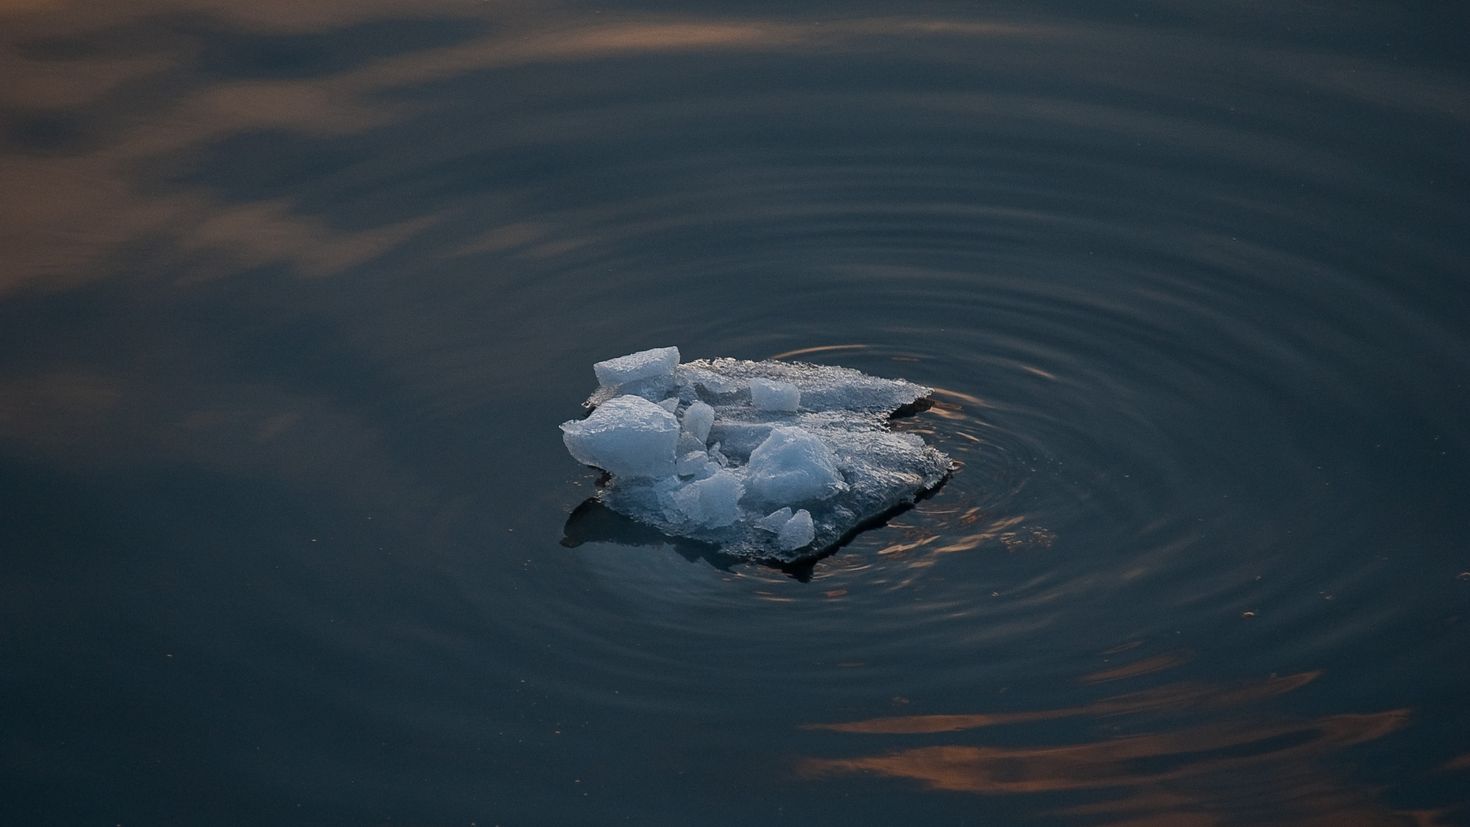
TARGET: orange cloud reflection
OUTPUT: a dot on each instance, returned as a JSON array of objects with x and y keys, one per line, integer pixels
[
  {"x": 1232, "y": 763},
  {"x": 1174, "y": 696},
  {"x": 1119, "y": 762},
  {"x": 1147, "y": 666},
  {"x": 65, "y": 216}
]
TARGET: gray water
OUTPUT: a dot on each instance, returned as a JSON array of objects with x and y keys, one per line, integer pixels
[{"x": 294, "y": 296}]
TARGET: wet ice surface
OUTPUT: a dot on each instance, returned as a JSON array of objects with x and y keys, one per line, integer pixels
[{"x": 766, "y": 460}]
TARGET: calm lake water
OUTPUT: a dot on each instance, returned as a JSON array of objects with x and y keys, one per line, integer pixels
[{"x": 294, "y": 295}]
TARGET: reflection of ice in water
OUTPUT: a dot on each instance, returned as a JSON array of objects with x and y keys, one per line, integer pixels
[{"x": 768, "y": 460}]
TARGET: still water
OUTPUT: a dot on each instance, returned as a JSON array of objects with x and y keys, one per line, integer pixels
[{"x": 294, "y": 295}]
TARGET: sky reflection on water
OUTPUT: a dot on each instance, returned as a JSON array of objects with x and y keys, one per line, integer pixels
[
  {"x": 1243, "y": 764},
  {"x": 294, "y": 294}
]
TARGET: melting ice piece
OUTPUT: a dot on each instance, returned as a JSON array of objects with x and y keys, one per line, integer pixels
[
  {"x": 775, "y": 460},
  {"x": 775, "y": 520},
  {"x": 798, "y": 531},
  {"x": 698, "y": 418},
  {"x": 628, "y": 436},
  {"x": 792, "y": 466},
  {"x": 645, "y": 364},
  {"x": 711, "y": 502},
  {"x": 647, "y": 373}
]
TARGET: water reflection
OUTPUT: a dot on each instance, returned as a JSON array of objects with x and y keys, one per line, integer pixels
[
  {"x": 71, "y": 204},
  {"x": 593, "y": 522},
  {"x": 1178, "y": 754},
  {"x": 293, "y": 294}
]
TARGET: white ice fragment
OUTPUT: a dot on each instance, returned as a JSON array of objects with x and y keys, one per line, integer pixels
[
  {"x": 698, "y": 419},
  {"x": 627, "y": 436},
  {"x": 775, "y": 521},
  {"x": 657, "y": 363},
  {"x": 712, "y": 502},
  {"x": 671, "y": 404},
  {"x": 772, "y": 395},
  {"x": 792, "y": 466},
  {"x": 798, "y": 531}
]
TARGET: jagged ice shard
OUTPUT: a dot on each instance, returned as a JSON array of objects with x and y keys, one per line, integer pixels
[{"x": 766, "y": 460}]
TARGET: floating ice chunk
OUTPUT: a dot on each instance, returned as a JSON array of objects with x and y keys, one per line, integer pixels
[
  {"x": 798, "y": 531},
  {"x": 823, "y": 448},
  {"x": 774, "y": 521},
  {"x": 771, "y": 395},
  {"x": 658, "y": 363},
  {"x": 792, "y": 466},
  {"x": 712, "y": 502},
  {"x": 698, "y": 419},
  {"x": 627, "y": 436}
]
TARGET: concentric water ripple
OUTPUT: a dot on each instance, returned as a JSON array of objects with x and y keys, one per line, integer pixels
[{"x": 295, "y": 333}]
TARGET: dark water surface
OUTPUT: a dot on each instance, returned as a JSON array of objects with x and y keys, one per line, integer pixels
[{"x": 294, "y": 294}]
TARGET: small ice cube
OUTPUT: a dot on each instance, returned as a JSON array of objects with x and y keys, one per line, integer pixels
[
  {"x": 773, "y": 395},
  {"x": 627, "y": 436},
  {"x": 793, "y": 466},
  {"x": 775, "y": 521},
  {"x": 657, "y": 363},
  {"x": 698, "y": 419},
  {"x": 797, "y": 532}
]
